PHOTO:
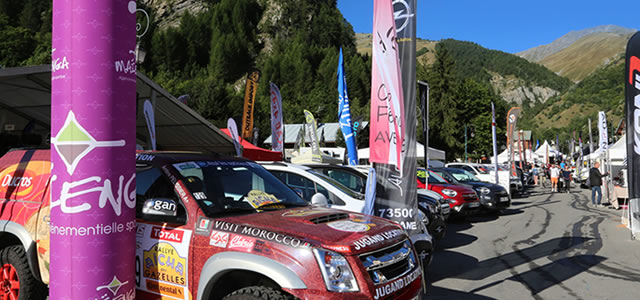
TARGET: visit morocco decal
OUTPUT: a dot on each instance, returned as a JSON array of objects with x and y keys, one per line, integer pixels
[{"x": 162, "y": 261}]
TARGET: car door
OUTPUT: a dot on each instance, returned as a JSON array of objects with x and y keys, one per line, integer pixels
[{"x": 162, "y": 242}]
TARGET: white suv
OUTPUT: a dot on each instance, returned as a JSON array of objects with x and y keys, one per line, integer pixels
[
  {"x": 478, "y": 170},
  {"x": 308, "y": 182}
]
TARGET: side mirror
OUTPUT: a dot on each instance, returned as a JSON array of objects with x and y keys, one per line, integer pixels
[
  {"x": 319, "y": 200},
  {"x": 160, "y": 207}
]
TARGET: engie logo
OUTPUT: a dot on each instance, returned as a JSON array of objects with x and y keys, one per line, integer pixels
[
  {"x": 167, "y": 235},
  {"x": 634, "y": 73}
]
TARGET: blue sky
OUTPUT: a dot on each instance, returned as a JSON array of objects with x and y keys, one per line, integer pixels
[{"x": 510, "y": 26}]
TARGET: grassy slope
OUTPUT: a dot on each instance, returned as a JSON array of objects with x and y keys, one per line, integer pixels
[
  {"x": 424, "y": 48},
  {"x": 586, "y": 55}
]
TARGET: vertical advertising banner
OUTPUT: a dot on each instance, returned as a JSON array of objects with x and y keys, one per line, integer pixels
[
  {"x": 233, "y": 131},
  {"x": 603, "y": 141},
  {"x": 495, "y": 141},
  {"x": 149, "y": 117},
  {"x": 397, "y": 198},
  {"x": 311, "y": 127},
  {"x": 512, "y": 121},
  {"x": 277, "y": 128},
  {"x": 93, "y": 127},
  {"x": 344, "y": 114},
  {"x": 250, "y": 90},
  {"x": 632, "y": 109}
]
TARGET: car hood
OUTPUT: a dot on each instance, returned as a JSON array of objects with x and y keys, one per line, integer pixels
[
  {"x": 493, "y": 187},
  {"x": 456, "y": 187},
  {"x": 333, "y": 229}
]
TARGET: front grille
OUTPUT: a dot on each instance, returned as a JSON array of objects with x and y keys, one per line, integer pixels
[
  {"x": 329, "y": 218},
  {"x": 469, "y": 195},
  {"x": 390, "y": 263}
]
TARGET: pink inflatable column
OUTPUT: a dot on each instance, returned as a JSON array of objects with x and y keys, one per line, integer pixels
[{"x": 93, "y": 114}]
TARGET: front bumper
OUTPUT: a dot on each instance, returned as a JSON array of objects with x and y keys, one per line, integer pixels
[
  {"x": 466, "y": 208},
  {"x": 495, "y": 201}
]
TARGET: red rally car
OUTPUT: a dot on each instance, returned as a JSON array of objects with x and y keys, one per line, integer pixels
[{"x": 210, "y": 227}]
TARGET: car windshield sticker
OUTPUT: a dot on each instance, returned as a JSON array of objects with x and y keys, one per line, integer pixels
[
  {"x": 200, "y": 196},
  {"x": 186, "y": 166},
  {"x": 258, "y": 198}
]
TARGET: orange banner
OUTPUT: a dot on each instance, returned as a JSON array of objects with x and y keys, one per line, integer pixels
[{"x": 250, "y": 91}]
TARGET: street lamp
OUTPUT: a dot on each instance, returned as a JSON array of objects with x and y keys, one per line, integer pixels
[{"x": 466, "y": 159}]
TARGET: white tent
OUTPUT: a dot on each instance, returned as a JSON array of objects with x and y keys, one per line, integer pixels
[
  {"x": 307, "y": 157},
  {"x": 618, "y": 151},
  {"x": 530, "y": 156},
  {"x": 435, "y": 154}
]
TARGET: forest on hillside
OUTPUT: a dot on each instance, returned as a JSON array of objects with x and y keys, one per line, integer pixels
[{"x": 294, "y": 44}]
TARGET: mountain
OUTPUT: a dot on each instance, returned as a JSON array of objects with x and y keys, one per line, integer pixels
[
  {"x": 603, "y": 90},
  {"x": 424, "y": 48},
  {"x": 515, "y": 79},
  {"x": 586, "y": 55},
  {"x": 538, "y": 53}
]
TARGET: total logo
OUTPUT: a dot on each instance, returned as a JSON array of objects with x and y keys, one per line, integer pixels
[
  {"x": 167, "y": 234},
  {"x": 10, "y": 181}
]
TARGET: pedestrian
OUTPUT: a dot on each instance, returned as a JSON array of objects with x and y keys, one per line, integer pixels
[
  {"x": 595, "y": 180},
  {"x": 566, "y": 174},
  {"x": 535, "y": 171},
  {"x": 554, "y": 173}
]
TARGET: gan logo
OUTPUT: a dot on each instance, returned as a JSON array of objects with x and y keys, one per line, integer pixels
[
  {"x": 73, "y": 143},
  {"x": 634, "y": 73}
]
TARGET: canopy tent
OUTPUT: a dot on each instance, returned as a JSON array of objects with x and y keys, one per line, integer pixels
[
  {"x": 25, "y": 114},
  {"x": 307, "y": 158},
  {"x": 530, "y": 156},
  {"x": 434, "y": 153},
  {"x": 327, "y": 133},
  {"x": 618, "y": 151},
  {"x": 254, "y": 152}
]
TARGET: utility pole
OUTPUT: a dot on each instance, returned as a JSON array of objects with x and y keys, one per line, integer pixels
[
  {"x": 590, "y": 143},
  {"x": 465, "y": 143}
]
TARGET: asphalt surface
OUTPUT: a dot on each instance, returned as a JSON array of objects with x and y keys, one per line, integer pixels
[{"x": 545, "y": 246}]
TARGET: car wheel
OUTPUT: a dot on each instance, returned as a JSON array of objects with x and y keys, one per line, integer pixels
[
  {"x": 258, "y": 293},
  {"x": 16, "y": 280}
]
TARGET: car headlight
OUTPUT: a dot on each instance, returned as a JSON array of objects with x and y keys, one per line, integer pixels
[
  {"x": 483, "y": 190},
  {"x": 335, "y": 270},
  {"x": 450, "y": 193}
]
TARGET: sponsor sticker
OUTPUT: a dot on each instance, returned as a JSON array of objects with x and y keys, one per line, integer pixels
[
  {"x": 369, "y": 240},
  {"x": 219, "y": 239},
  {"x": 167, "y": 234},
  {"x": 165, "y": 289},
  {"x": 399, "y": 284},
  {"x": 261, "y": 247},
  {"x": 162, "y": 262},
  {"x": 350, "y": 226},
  {"x": 200, "y": 196},
  {"x": 260, "y": 234},
  {"x": 258, "y": 198},
  {"x": 186, "y": 166},
  {"x": 241, "y": 243},
  {"x": 203, "y": 226}
]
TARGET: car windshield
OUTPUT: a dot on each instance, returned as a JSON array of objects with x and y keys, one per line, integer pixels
[
  {"x": 433, "y": 177},
  {"x": 337, "y": 184},
  {"x": 224, "y": 186},
  {"x": 482, "y": 169},
  {"x": 355, "y": 181},
  {"x": 463, "y": 175}
]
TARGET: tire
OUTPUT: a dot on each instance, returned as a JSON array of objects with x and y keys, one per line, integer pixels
[
  {"x": 14, "y": 268},
  {"x": 258, "y": 293}
]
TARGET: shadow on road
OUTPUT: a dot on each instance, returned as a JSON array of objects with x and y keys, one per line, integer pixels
[
  {"x": 469, "y": 268},
  {"x": 435, "y": 292}
]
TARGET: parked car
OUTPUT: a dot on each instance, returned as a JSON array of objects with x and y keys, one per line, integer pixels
[
  {"x": 463, "y": 200},
  {"x": 241, "y": 232},
  {"x": 307, "y": 182},
  {"x": 352, "y": 178},
  {"x": 492, "y": 196},
  {"x": 433, "y": 206},
  {"x": 513, "y": 184},
  {"x": 478, "y": 170}
]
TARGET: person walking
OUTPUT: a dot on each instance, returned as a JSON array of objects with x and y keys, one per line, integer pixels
[
  {"x": 555, "y": 174},
  {"x": 566, "y": 174},
  {"x": 535, "y": 171},
  {"x": 595, "y": 180}
]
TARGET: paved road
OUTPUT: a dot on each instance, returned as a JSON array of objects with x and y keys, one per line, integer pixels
[{"x": 546, "y": 246}]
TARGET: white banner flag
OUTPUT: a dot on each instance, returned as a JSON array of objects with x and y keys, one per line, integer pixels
[
  {"x": 603, "y": 143},
  {"x": 277, "y": 128}
]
